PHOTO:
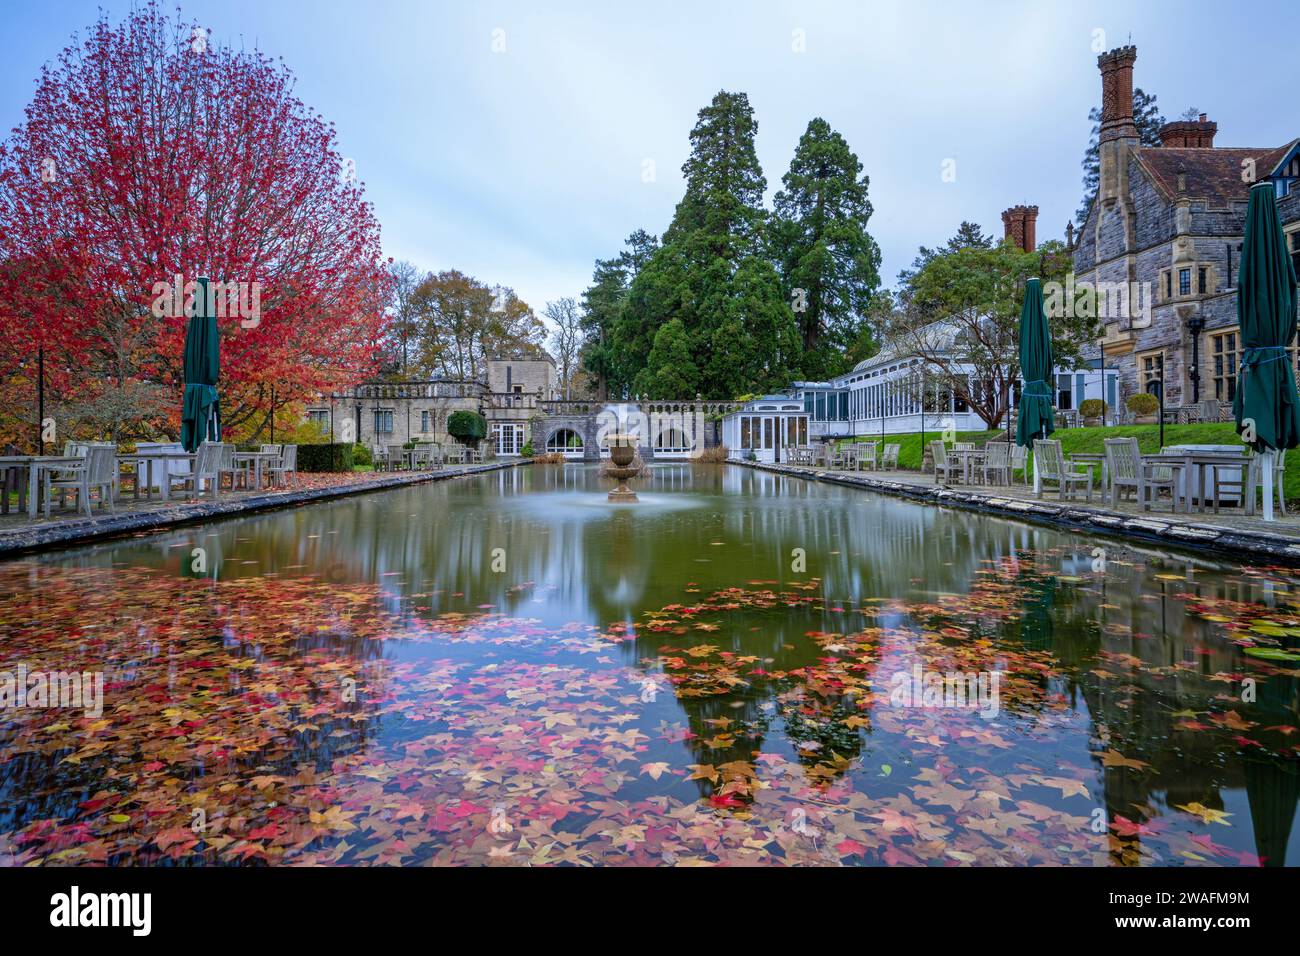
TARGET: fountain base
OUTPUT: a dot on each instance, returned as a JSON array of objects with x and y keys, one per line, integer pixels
[
  {"x": 622, "y": 452},
  {"x": 622, "y": 492}
]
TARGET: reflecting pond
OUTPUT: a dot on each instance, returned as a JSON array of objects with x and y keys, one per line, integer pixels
[{"x": 742, "y": 668}]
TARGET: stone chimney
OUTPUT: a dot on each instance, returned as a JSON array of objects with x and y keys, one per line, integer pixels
[
  {"x": 1020, "y": 224},
  {"x": 1196, "y": 134},
  {"x": 1117, "y": 94},
  {"x": 1119, "y": 133}
]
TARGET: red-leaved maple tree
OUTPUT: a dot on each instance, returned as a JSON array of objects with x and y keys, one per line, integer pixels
[{"x": 149, "y": 152}]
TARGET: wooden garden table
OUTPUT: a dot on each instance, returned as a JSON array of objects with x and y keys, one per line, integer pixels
[
  {"x": 35, "y": 465},
  {"x": 147, "y": 458},
  {"x": 968, "y": 456},
  {"x": 256, "y": 459}
]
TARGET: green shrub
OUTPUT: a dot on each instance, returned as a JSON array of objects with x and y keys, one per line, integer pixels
[
  {"x": 1143, "y": 403},
  {"x": 466, "y": 426},
  {"x": 1092, "y": 408},
  {"x": 361, "y": 456},
  {"x": 527, "y": 450},
  {"x": 327, "y": 457}
]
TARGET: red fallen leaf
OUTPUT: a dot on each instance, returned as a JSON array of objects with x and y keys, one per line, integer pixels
[
  {"x": 93, "y": 805},
  {"x": 896, "y": 857},
  {"x": 1127, "y": 828},
  {"x": 849, "y": 847},
  {"x": 175, "y": 835},
  {"x": 725, "y": 800},
  {"x": 268, "y": 832},
  {"x": 1206, "y": 843},
  {"x": 153, "y": 766}
]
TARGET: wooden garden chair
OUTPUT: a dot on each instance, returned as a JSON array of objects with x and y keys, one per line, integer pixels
[{"x": 1052, "y": 466}]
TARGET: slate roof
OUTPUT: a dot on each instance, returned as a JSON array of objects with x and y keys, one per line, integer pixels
[{"x": 1212, "y": 174}]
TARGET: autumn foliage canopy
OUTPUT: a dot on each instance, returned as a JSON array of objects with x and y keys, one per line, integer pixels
[{"x": 149, "y": 151}]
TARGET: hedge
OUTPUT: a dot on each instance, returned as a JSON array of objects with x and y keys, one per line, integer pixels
[{"x": 335, "y": 457}]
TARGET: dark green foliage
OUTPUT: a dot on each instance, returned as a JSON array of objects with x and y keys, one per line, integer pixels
[
  {"x": 829, "y": 263},
  {"x": 338, "y": 456},
  {"x": 466, "y": 426},
  {"x": 613, "y": 350},
  {"x": 712, "y": 274}
]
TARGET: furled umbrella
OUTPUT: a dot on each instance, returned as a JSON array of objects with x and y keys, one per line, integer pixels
[
  {"x": 1265, "y": 404},
  {"x": 1035, "y": 368},
  {"x": 201, "y": 412}
]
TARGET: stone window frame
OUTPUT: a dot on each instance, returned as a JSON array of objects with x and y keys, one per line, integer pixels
[
  {"x": 1223, "y": 392},
  {"x": 1207, "y": 352},
  {"x": 1144, "y": 377},
  {"x": 1169, "y": 285}
]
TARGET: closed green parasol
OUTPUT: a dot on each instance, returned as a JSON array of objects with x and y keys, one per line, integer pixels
[
  {"x": 1265, "y": 404},
  {"x": 1035, "y": 368},
  {"x": 201, "y": 412}
]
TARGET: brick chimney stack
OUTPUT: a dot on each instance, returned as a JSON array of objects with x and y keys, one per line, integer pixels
[
  {"x": 1117, "y": 94},
  {"x": 1020, "y": 224},
  {"x": 1182, "y": 134}
]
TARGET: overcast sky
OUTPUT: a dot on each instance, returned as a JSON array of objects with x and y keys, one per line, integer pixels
[{"x": 523, "y": 166}]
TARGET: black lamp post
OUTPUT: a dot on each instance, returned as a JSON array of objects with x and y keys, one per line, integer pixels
[
  {"x": 40, "y": 399},
  {"x": 1156, "y": 387},
  {"x": 1195, "y": 325}
]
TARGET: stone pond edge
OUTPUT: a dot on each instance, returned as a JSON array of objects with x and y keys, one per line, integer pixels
[
  {"x": 1215, "y": 539},
  {"x": 18, "y": 541}
]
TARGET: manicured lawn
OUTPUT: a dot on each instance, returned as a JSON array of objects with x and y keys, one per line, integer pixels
[{"x": 1090, "y": 440}]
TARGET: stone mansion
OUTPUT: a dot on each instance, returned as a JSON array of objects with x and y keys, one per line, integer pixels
[
  {"x": 509, "y": 396},
  {"x": 1168, "y": 222}
]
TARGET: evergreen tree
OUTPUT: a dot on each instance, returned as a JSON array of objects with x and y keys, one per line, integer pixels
[
  {"x": 829, "y": 263},
  {"x": 671, "y": 371},
  {"x": 604, "y": 304},
  {"x": 711, "y": 273}
]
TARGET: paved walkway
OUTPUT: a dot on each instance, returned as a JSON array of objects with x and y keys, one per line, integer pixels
[
  {"x": 18, "y": 533},
  {"x": 1229, "y": 532}
]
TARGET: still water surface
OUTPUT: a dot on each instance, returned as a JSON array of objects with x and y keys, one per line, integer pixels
[{"x": 508, "y": 669}]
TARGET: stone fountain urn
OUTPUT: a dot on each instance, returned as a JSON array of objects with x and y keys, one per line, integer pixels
[{"x": 622, "y": 452}]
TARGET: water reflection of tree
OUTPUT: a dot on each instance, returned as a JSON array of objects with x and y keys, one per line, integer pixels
[{"x": 1131, "y": 613}]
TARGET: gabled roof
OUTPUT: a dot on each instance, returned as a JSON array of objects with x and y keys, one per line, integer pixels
[{"x": 1211, "y": 174}]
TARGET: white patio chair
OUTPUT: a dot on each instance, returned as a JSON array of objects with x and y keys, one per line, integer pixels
[
  {"x": 868, "y": 456},
  {"x": 285, "y": 465},
  {"x": 1052, "y": 466},
  {"x": 1253, "y": 469},
  {"x": 1126, "y": 471},
  {"x": 95, "y": 472},
  {"x": 203, "y": 471},
  {"x": 226, "y": 466},
  {"x": 1020, "y": 462},
  {"x": 996, "y": 467},
  {"x": 889, "y": 459},
  {"x": 943, "y": 465}
]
